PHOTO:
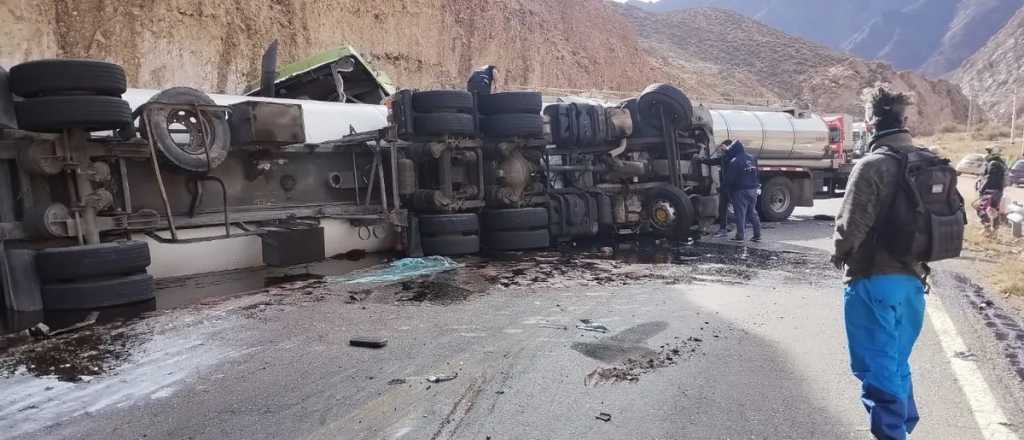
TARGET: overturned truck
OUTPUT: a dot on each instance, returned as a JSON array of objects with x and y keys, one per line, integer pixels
[{"x": 104, "y": 188}]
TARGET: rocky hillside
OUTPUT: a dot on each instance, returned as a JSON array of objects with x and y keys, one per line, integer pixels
[
  {"x": 933, "y": 36},
  {"x": 216, "y": 44},
  {"x": 993, "y": 73},
  {"x": 753, "y": 58},
  {"x": 827, "y": 22}
]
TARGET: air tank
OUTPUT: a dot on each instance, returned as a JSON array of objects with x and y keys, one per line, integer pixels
[{"x": 773, "y": 135}]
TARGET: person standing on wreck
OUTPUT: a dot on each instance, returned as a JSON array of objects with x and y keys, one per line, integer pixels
[{"x": 884, "y": 296}]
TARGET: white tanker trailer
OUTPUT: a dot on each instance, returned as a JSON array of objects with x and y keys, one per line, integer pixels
[{"x": 800, "y": 154}]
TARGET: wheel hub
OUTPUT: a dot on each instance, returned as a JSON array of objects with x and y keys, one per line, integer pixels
[
  {"x": 663, "y": 214},
  {"x": 187, "y": 131},
  {"x": 778, "y": 201}
]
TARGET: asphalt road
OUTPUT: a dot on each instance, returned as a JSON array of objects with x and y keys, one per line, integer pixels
[{"x": 705, "y": 342}]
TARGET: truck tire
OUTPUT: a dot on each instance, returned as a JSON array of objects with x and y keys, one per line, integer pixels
[
  {"x": 777, "y": 200},
  {"x": 514, "y": 219},
  {"x": 54, "y": 77},
  {"x": 673, "y": 100},
  {"x": 642, "y": 128},
  {"x": 442, "y": 124},
  {"x": 52, "y": 114},
  {"x": 449, "y": 224},
  {"x": 90, "y": 261},
  {"x": 670, "y": 212},
  {"x": 513, "y": 125},
  {"x": 99, "y": 292},
  {"x": 442, "y": 101},
  {"x": 517, "y": 240},
  {"x": 510, "y": 102},
  {"x": 450, "y": 245},
  {"x": 190, "y": 158}
]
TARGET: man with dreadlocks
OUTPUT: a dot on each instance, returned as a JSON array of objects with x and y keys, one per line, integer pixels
[{"x": 884, "y": 298}]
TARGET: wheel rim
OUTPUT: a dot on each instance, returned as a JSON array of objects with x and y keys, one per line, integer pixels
[
  {"x": 778, "y": 200},
  {"x": 186, "y": 131},
  {"x": 663, "y": 215}
]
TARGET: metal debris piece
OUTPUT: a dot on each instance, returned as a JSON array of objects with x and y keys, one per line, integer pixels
[
  {"x": 442, "y": 378},
  {"x": 589, "y": 326},
  {"x": 368, "y": 342},
  {"x": 90, "y": 319},
  {"x": 554, "y": 326},
  {"x": 39, "y": 331},
  {"x": 396, "y": 381},
  {"x": 604, "y": 417}
]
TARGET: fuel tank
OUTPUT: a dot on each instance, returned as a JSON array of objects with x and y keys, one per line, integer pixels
[{"x": 774, "y": 135}]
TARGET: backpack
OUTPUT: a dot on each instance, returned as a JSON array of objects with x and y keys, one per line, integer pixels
[{"x": 927, "y": 218}]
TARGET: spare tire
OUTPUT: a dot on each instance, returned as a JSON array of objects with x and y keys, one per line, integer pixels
[
  {"x": 669, "y": 98},
  {"x": 442, "y": 101},
  {"x": 100, "y": 292},
  {"x": 513, "y": 125},
  {"x": 449, "y": 224},
  {"x": 52, "y": 77},
  {"x": 515, "y": 219},
  {"x": 187, "y": 153},
  {"x": 517, "y": 240},
  {"x": 52, "y": 114},
  {"x": 90, "y": 261},
  {"x": 451, "y": 245},
  {"x": 510, "y": 102}
]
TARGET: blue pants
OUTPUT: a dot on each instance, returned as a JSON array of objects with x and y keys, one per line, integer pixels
[
  {"x": 884, "y": 314},
  {"x": 744, "y": 202}
]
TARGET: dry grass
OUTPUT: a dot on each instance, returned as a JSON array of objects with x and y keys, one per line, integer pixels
[
  {"x": 1007, "y": 273},
  {"x": 955, "y": 145}
]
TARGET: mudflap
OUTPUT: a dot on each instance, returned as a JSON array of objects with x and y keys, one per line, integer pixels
[
  {"x": 706, "y": 206},
  {"x": 283, "y": 247}
]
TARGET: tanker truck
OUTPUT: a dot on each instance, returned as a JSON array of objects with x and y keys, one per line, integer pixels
[{"x": 800, "y": 154}]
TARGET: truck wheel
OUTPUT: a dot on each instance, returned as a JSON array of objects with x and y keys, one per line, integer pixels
[
  {"x": 673, "y": 100},
  {"x": 450, "y": 245},
  {"x": 513, "y": 125},
  {"x": 54, "y": 77},
  {"x": 442, "y": 101},
  {"x": 100, "y": 292},
  {"x": 187, "y": 152},
  {"x": 670, "y": 212},
  {"x": 514, "y": 219},
  {"x": 777, "y": 200},
  {"x": 442, "y": 124},
  {"x": 510, "y": 102},
  {"x": 51, "y": 114},
  {"x": 449, "y": 224},
  {"x": 90, "y": 261},
  {"x": 517, "y": 240}
]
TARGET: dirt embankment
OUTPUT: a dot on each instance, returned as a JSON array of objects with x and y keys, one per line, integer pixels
[{"x": 216, "y": 44}]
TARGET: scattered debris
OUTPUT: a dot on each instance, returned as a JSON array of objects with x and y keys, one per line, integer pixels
[
  {"x": 40, "y": 331},
  {"x": 396, "y": 381},
  {"x": 604, "y": 417},
  {"x": 554, "y": 326},
  {"x": 404, "y": 269},
  {"x": 442, "y": 378},
  {"x": 591, "y": 326},
  {"x": 368, "y": 342},
  {"x": 90, "y": 319},
  {"x": 966, "y": 355},
  {"x": 827, "y": 218}
]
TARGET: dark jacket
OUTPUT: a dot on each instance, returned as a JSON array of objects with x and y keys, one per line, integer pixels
[
  {"x": 740, "y": 170},
  {"x": 481, "y": 80},
  {"x": 869, "y": 193},
  {"x": 995, "y": 174}
]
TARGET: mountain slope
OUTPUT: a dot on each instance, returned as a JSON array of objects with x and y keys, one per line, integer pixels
[
  {"x": 786, "y": 66},
  {"x": 216, "y": 44},
  {"x": 993, "y": 73},
  {"x": 828, "y": 23}
]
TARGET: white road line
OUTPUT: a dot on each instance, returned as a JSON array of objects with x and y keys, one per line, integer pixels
[{"x": 988, "y": 415}]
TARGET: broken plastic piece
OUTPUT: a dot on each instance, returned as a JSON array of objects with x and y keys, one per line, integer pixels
[
  {"x": 368, "y": 342},
  {"x": 403, "y": 269},
  {"x": 604, "y": 417},
  {"x": 442, "y": 378}
]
